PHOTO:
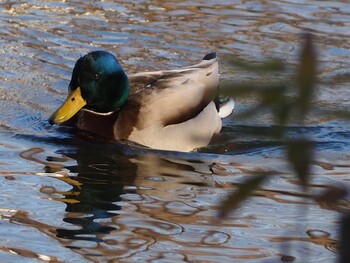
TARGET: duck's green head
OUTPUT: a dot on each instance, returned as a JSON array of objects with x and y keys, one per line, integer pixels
[{"x": 98, "y": 83}]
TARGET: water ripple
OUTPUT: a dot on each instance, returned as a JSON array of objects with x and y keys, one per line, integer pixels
[{"x": 80, "y": 200}]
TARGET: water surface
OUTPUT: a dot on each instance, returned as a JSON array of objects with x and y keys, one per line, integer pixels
[{"x": 67, "y": 198}]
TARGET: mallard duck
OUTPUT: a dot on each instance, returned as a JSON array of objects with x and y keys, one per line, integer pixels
[{"x": 167, "y": 110}]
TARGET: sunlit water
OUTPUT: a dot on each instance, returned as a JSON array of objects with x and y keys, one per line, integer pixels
[{"x": 68, "y": 199}]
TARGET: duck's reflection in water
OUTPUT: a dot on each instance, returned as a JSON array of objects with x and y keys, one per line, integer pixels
[
  {"x": 93, "y": 203},
  {"x": 99, "y": 178}
]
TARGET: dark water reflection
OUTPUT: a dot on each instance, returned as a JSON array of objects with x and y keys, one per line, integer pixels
[
  {"x": 106, "y": 176},
  {"x": 98, "y": 184},
  {"x": 129, "y": 203},
  {"x": 68, "y": 198},
  {"x": 102, "y": 176}
]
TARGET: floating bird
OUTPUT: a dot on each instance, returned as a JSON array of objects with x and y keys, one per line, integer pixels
[{"x": 167, "y": 110}]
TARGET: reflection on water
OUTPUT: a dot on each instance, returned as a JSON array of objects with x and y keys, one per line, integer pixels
[
  {"x": 97, "y": 186},
  {"x": 125, "y": 206},
  {"x": 122, "y": 202},
  {"x": 65, "y": 198}
]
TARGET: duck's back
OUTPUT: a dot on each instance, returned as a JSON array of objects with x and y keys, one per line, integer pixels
[{"x": 172, "y": 110}]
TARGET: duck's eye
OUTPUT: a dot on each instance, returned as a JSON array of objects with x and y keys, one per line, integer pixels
[{"x": 96, "y": 76}]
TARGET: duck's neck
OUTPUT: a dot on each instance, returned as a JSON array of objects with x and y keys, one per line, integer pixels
[
  {"x": 122, "y": 91},
  {"x": 101, "y": 124},
  {"x": 118, "y": 92}
]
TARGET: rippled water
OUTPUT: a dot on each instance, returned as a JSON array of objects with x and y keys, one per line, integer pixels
[{"x": 68, "y": 199}]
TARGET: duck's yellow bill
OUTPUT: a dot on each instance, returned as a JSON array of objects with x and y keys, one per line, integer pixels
[{"x": 73, "y": 103}]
